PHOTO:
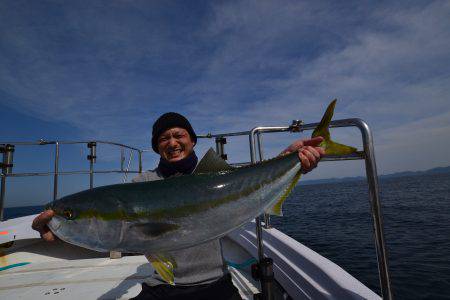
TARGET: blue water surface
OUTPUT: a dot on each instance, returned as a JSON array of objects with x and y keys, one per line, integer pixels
[{"x": 335, "y": 221}]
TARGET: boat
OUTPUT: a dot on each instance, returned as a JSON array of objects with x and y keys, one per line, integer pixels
[{"x": 264, "y": 262}]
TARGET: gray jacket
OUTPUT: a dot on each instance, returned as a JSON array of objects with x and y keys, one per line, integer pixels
[{"x": 200, "y": 264}]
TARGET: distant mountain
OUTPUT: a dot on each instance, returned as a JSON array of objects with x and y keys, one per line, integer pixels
[{"x": 438, "y": 170}]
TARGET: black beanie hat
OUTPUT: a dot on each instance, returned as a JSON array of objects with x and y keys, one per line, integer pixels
[{"x": 167, "y": 121}]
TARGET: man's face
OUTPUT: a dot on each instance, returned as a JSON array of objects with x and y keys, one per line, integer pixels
[{"x": 175, "y": 144}]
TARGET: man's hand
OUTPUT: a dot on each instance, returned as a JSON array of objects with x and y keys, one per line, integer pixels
[
  {"x": 309, "y": 152},
  {"x": 40, "y": 224}
]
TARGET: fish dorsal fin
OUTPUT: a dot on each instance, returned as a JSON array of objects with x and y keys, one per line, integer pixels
[
  {"x": 164, "y": 265},
  {"x": 212, "y": 162}
]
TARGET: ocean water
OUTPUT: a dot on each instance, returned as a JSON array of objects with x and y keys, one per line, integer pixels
[{"x": 334, "y": 220}]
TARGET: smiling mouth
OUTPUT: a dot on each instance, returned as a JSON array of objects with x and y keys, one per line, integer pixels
[{"x": 175, "y": 153}]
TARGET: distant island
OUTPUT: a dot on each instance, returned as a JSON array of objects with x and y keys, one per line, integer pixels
[{"x": 438, "y": 170}]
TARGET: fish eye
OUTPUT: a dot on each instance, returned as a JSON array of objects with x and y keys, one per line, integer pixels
[{"x": 68, "y": 214}]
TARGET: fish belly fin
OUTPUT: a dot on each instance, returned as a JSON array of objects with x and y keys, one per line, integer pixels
[
  {"x": 331, "y": 147},
  {"x": 212, "y": 162},
  {"x": 277, "y": 209},
  {"x": 164, "y": 265}
]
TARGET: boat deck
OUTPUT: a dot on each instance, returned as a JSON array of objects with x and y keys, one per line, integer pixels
[
  {"x": 62, "y": 270},
  {"x": 33, "y": 269}
]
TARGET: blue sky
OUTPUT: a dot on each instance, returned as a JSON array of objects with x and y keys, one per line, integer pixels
[{"x": 107, "y": 69}]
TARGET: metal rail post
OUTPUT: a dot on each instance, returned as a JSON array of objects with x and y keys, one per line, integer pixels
[
  {"x": 258, "y": 221},
  {"x": 92, "y": 158},
  {"x": 264, "y": 269},
  {"x": 2, "y": 195},
  {"x": 260, "y": 148},
  {"x": 130, "y": 158},
  {"x": 140, "y": 161},
  {"x": 261, "y": 158},
  {"x": 6, "y": 165},
  {"x": 220, "y": 148},
  {"x": 55, "y": 176},
  {"x": 372, "y": 180},
  {"x": 122, "y": 158}
]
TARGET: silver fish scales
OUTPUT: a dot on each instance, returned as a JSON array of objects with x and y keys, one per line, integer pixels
[{"x": 174, "y": 213}]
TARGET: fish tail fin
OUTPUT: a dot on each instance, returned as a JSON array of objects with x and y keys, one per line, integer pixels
[
  {"x": 164, "y": 265},
  {"x": 331, "y": 147},
  {"x": 277, "y": 209}
]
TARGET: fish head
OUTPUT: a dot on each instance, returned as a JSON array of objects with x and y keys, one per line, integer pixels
[
  {"x": 70, "y": 218},
  {"x": 68, "y": 208}
]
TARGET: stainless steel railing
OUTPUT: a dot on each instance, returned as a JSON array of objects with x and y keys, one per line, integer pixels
[
  {"x": 368, "y": 155},
  {"x": 8, "y": 148},
  {"x": 256, "y": 153}
]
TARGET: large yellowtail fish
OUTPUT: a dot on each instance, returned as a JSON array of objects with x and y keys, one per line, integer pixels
[{"x": 179, "y": 212}]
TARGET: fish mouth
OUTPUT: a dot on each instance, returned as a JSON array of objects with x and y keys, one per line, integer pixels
[{"x": 55, "y": 223}]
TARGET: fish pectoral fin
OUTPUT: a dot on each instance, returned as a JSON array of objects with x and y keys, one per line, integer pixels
[
  {"x": 331, "y": 147},
  {"x": 277, "y": 209},
  {"x": 154, "y": 229},
  {"x": 212, "y": 162},
  {"x": 164, "y": 265}
]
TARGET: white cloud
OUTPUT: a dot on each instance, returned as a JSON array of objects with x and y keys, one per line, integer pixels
[
  {"x": 391, "y": 75},
  {"x": 244, "y": 64}
]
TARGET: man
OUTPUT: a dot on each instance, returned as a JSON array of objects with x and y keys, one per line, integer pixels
[{"x": 200, "y": 272}]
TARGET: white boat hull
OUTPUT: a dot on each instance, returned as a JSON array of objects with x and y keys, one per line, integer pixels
[{"x": 62, "y": 270}]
